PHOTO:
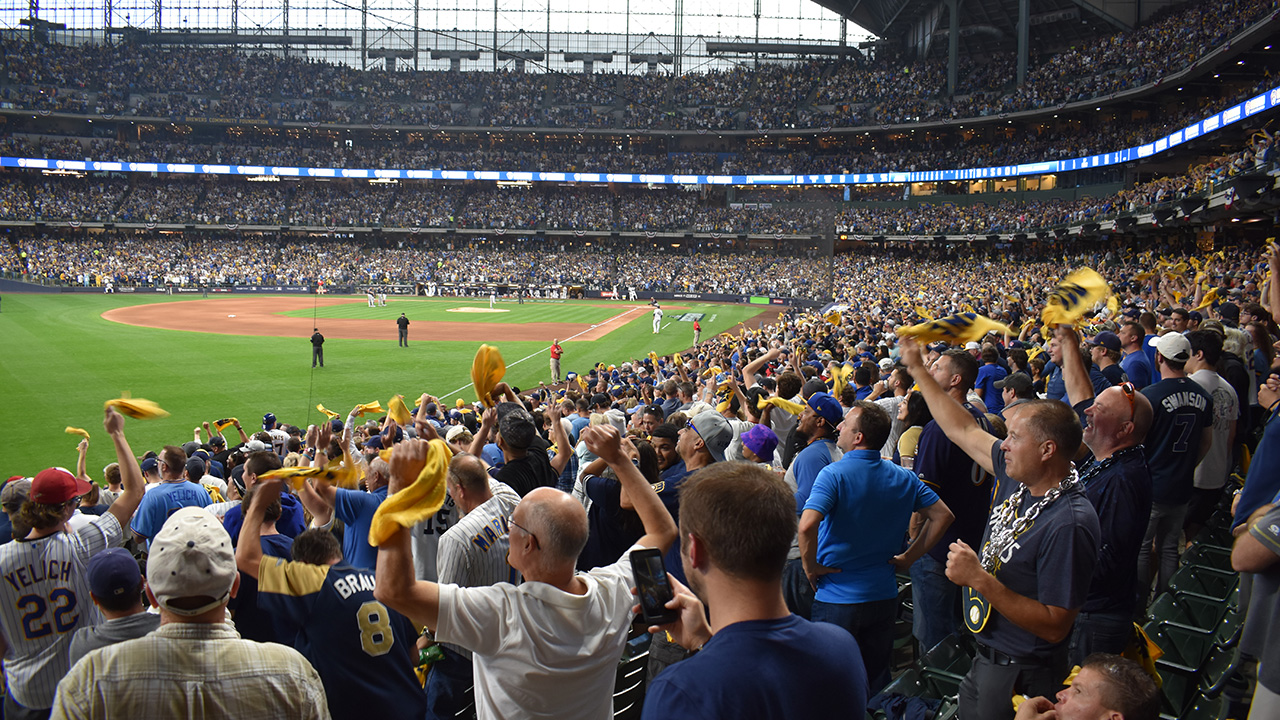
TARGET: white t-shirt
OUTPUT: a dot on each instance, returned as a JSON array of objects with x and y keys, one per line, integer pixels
[
  {"x": 1212, "y": 471},
  {"x": 541, "y": 652},
  {"x": 890, "y": 405}
]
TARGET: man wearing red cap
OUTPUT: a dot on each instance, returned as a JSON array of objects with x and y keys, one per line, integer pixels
[{"x": 45, "y": 588}]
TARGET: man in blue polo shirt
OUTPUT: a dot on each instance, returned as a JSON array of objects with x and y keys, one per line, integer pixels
[
  {"x": 988, "y": 375},
  {"x": 851, "y": 534}
]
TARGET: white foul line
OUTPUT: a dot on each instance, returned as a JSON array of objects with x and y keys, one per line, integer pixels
[{"x": 547, "y": 348}]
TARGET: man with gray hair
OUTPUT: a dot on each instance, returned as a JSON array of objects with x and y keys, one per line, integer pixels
[
  {"x": 548, "y": 648},
  {"x": 195, "y": 664}
]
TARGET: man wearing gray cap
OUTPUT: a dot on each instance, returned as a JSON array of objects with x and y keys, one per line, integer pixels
[
  {"x": 195, "y": 664},
  {"x": 1014, "y": 389}
]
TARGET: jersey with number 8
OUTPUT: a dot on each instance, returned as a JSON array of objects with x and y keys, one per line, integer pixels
[
  {"x": 363, "y": 651},
  {"x": 45, "y": 599}
]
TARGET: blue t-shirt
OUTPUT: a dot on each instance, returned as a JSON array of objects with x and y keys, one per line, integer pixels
[
  {"x": 1150, "y": 351},
  {"x": 1055, "y": 388},
  {"x": 1182, "y": 410},
  {"x": 992, "y": 397},
  {"x": 161, "y": 502},
  {"x": 613, "y": 530},
  {"x": 363, "y": 651},
  {"x": 808, "y": 463},
  {"x": 861, "y": 393},
  {"x": 291, "y": 523},
  {"x": 1120, "y": 490},
  {"x": 355, "y": 509},
  {"x": 578, "y": 422},
  {"x": 799, "y": 670},
  {"x": 866, "y": 505},
  {"x": 959, "y": 482},
  {"x": 1262, "y": 485},
  {"x": 668, "y": 489},
  {"x": 1138, "y": 368}
]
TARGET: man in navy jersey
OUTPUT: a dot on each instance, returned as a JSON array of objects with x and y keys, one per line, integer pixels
[
  {"x": 1180, "y": 436},
  {"x": 962, "y": 485},
  {"x": 363, "y": 651}
]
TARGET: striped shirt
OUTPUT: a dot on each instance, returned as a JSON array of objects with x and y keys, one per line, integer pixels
[
  {"x": 45, "y": 599},
  {"x": 193, "y": 671},
  {"x": 473, "y": 553}
]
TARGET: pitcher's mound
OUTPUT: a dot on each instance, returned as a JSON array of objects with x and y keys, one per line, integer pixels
[{"x": 476, "y": 310}]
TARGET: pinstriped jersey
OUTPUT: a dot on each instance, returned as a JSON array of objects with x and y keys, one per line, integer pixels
[
  {"x": 473, "y": 553},
  {"x": 45, "y": 599}
]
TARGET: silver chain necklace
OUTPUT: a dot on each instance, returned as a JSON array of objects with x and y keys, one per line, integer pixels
[{"x": 1006, "y": 526}]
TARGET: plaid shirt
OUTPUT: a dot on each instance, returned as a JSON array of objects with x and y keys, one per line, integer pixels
[{"x": 192, "y": 670}]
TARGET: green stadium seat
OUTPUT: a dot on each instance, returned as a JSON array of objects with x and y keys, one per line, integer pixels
[
  {"x": 1180, "y": 688},
  {"x": 1205, "y": 555},
  {"x": 953, "y": 656},
  {"x": 1206, "y": 708},
  {"x": 1183, "y": 646},
  {"x": 1206, "y": 582},
  {"x": 629, "y": 687}
]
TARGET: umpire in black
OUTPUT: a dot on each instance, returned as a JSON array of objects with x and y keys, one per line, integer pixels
[
  {"x": 317, "y": 347},
  {"x": 403, "y": 322}
]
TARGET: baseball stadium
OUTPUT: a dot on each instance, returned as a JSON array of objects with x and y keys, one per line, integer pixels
[{"x": 933, "y": 347}]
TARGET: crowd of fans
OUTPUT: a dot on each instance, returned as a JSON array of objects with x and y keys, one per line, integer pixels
[
  {"x": 149, "y": 81},
  {"x": 777, "y": 211},
  {"x": 793, "y": 410}
]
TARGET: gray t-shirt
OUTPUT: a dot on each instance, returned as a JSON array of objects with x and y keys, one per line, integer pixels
[
  {"x": 110, "y": 633},
  {"x": 1261, "y": 634}
]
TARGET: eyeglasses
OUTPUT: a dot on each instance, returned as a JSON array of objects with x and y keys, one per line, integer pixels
[
  {"x": 1129, "y": 391},
  {"x": 523, "y": 529}
]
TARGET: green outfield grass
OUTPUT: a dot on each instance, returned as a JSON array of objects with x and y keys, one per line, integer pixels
[
  {"x": 437, "y": 310},
  {"x": 59, "y": 361}
]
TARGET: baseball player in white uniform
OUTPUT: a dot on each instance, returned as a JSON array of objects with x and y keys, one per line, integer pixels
[
  {"x": 45, "y": 589},
  {"x": 657, "y": 318}
]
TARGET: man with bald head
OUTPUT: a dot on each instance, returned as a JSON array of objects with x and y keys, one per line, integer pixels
[
  {"x": 1116, "y": 480},
  {"x": 548, "y": 648}
]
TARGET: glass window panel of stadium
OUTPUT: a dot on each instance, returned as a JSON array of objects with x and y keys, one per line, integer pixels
[{"x": 551, "y": 27}]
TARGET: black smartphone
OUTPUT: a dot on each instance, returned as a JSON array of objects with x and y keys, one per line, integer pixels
[{"x": 652, "y": 586}]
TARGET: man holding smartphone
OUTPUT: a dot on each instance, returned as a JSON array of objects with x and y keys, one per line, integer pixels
[
  {"x": 736, "y": 525},
  {"x": 548, "y": 648}
]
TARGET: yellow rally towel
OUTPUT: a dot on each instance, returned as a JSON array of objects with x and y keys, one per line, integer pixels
[
  {"x": 333, "y": 473},
  {"x": 839, "y": 379},
  {"x": 794, "y": 408},
  {"x": 397, "y": 411},
  {"x": 374, "y": 408},
  {"x": 224, "y": 424},
  {"x": 136, "y": 408},
  {"x": 78, "y": 431},
  {"x": 327, "y": 412},
  {"x": 1074, "y": 296},
  {"x": 582, "y": 383},
  {"x": 1208, "y": 300},
  {"x": 833, "y": 317},
  {"x": 954, "y": 329},
  {"x": 417, "y": 502},
  {"x": 653, "y": 357},
  {"x": 486, "y": 372},
  {"x": 677, "y": 358}
]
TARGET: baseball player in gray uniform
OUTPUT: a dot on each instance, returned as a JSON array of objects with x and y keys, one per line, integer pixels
[
  {"x": 44, "y": 596},
  {"x": 472, "y": 553}
]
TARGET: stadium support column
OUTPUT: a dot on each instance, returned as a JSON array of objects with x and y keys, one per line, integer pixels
[
  {"x": 953, "y": 45},
  {"x": 284, "y": 21},
  {"x": 159, "y": 8},
  {"x": 235, "y": 17},
  {"x": 107, "y": 12},
  {"x": 416, "y": 35},
  {"x": 1024, "y": 38},
  {"x": 679, "y": 33},
  {"x": 364, "y": 34},
  {"x": 495, "y": 35}
]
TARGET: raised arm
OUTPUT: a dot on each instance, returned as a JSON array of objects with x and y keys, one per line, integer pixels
[
  {"x": 753, "y": 367},
  {"x": 950, "y": 415},
  {"x": 487, "y": 421},
  {"x": 1074, "y": 374},
  {"x": 659, "y": 529},
  {"x": 395, "y": 585},
  {"x": 131, "y": 483},
  {"x": 82, "y": 450},
  {"x": 564, "y": 451},
  {"x": 249, "y": 547}
]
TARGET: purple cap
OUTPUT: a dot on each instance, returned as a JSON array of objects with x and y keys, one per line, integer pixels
[{"x": 761, "y": 441}]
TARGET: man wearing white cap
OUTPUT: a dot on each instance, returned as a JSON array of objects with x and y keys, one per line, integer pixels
[
  {"x": 1180, "y": 436},
  {"x": 46, "y": 590},
  {"x": 195, "y": 664}
]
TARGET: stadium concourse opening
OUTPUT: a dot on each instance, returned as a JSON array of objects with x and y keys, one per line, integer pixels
[{"x": 264, "y": 316}]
